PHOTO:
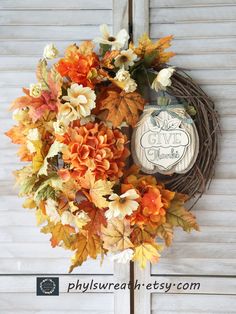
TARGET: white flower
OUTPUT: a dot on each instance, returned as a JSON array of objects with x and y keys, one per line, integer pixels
[
  {"x": 59, "y": 127},
  {"x": 76, "y": 221},
  {"x": 122, "y": 75},
  {"x": 163, "y": 79},
  {"x": 125, "y": 59},
  {"x": 51, "y": 210},
  {"x": 130, "y": 86},
  {"x": 122, "y": 205},
  {"x": 50, "y": 52},
  {"x": 123, "y": 257},
  {"x": 35, "y": 90},
  {"x": 67, "y": 113},
  {"x": 33, "y": 135},
  {"x": 82, "y": 99},
  {"x": 116, "y": 42}
]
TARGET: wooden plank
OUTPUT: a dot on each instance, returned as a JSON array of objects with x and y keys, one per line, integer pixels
[
  {"x": 193, "y": 15},
  {"x": 142, "y": 297},
  {"x": 195, "y": 266},
  {"x": 178, "y": 303},
  {"x": 206, "y": 218},
  {"x": 200, "y": 250},
  {"x": 203, "y": 46},
  {"x": 53, "y": 17},
  {"x": 26, "y": 48},
  {"x": 190, "y": 286},
  {"x": 51, "y": 266},
  {"x": 56, "y": 5},
  {"x": 22, "y": 74},
  {"x": 120, "y": 15},
  {"x": 101, "y": 303},
  {"x": 49, "y": 33},
  {"x": 122, "y": 296},
  {"x": 140, "y": 18},
  {"x": 208, "y": 64},
  {"x": 194, "y": 31},
  {"x": 189, "y": 3}
]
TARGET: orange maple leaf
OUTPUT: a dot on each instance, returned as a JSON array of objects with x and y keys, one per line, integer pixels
[{"x": 121, "y": 106}]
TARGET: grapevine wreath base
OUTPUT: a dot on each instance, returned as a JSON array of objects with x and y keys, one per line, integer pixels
[{"x": 74, "y": 128}]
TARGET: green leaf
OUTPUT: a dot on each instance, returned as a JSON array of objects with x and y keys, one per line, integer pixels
[
  {"x": 48, "y": 189},
  {"x": 149, "y": 58},
  {"x": 104, "y": 48}
]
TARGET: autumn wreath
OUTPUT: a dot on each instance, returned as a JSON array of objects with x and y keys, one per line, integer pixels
[{"x": 74, "y": 127}]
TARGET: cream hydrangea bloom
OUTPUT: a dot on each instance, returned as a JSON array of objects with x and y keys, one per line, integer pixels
[
  {"x": 50, "y": 52},
  {"x": 162, "y": 79},
  {"x": 59, "y": 127},
  {"x": 80, "y": 102},
  {"x": 116, "y": 42},
  {"x": 122, "y": 205},
  {"x": 125, "y": 59},
  {"x": 76, "y": 221},
  {"x": 127, "y": 83},
  {"x": 123, "y": 257},
  {"x": 35, "y": 90},
  {"x": 51, "y": 210}
]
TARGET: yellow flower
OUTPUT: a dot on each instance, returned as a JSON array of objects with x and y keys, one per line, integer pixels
[
  {"x": 122, "y": 205},
  {"x": 116, "y": 42},
  {"x": 50, "y": 52},
  {"x": 162, "y": 79},
  {"x": 36, "y": 90},
  {"x": 125, "y": 59},
  {"x": 81, "y": 100}
]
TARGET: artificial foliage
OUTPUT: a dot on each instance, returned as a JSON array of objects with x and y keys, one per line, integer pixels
[{"x": 73, "y": 127}]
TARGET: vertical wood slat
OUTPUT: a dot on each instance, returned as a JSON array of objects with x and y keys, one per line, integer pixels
[
  {"x": 35, "y": 35},
  {"x": 120, "y": 15},
  {"x": 140, "y": 18}
]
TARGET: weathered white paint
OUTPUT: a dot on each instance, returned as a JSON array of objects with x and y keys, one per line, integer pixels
[
  {"x": 26, "y": 27},
  {"x": 204, "y": 40}
]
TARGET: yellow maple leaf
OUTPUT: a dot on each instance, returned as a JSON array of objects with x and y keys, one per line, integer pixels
[
  {"x": 146, "y": 252},
  {"x": 60, "y": 233},
  {"x": 84, "y": 246},
  {"x": 155, "y": 50},
  {"x": 116, "y": 235},
  {"x": 97, "y": 189}
]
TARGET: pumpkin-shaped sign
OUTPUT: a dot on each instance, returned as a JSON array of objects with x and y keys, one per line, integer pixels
[{"x": 165, "y": 140}]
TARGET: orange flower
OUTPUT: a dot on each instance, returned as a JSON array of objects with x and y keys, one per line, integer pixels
[
  {"x": 79, "y": 67},
  {"x": 154, "y": 199},
  {"x": 96, "y": 147}
]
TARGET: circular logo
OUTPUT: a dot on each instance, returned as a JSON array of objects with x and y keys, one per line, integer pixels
[{"x": 47, "y": 286}]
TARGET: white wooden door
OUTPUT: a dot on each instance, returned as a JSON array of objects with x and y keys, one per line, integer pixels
[
  {"x": 26, "y": 26},
  {"x": 204, "y": 40}
]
